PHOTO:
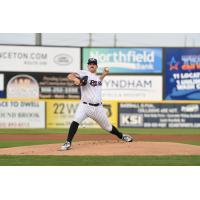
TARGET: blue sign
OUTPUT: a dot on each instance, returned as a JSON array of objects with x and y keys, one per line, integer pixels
[
  {"x": 156, "y": 115},
  {"x": 2, "y": 94},
  {"x": 125, "y": 60},
  {"x": 182, "y": 73}
]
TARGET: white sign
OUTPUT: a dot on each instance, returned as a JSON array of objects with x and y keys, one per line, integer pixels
[
  {"x": 130, "y": 119},
  {"x": 1, "y": 82},
  {"x": 22, "y": 114},
  {"x": 132, "y": 88},
  {"x": 39, "y": 59}
]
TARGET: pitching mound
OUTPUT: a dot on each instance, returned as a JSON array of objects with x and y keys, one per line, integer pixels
[{"x": 106, "y": 148}]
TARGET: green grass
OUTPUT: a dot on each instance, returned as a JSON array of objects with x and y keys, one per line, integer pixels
[
  {"x": 152, "y": 131},
  {"x": 7, "y": 144},
  {"x": 100, "y": 160}
]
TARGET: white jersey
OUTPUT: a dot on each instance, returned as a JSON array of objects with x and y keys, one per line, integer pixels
[{"x": 91, "y": 92}]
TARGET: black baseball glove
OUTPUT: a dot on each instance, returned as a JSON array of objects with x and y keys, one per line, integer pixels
[{"x": 83, "y": 80}]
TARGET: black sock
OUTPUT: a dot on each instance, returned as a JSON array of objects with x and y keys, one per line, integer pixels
[
  {"x": 72, "y": 130},
  {"x": 116, "y": 132}
]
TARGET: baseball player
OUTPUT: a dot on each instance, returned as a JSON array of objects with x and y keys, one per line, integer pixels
[{"x": 91, "y": 102}]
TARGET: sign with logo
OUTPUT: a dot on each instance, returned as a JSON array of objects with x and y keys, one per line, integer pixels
[
  {"x": 22, "y": 114},
  {"x": 182, "y": 74},
  {"x": 40, "y": 85},
  {"x": 132, "y": 88},
  {"x": 157, "y": 115},
  {"x": 125, "y": 60},
  {"x": 39, "y": 59},
  {"x": 60, "y": 114},
  {"x": 128, "y": 120},
  {"x": 22, "y": 86}
]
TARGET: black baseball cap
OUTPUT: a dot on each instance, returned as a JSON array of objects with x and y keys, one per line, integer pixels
[{"x": 92, "y": 60}]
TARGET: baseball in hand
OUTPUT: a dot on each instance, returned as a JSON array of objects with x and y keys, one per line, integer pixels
[{"x": 106, "y": 69}]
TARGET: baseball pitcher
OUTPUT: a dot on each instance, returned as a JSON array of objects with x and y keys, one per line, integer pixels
[{"x": 91, "y": 102}]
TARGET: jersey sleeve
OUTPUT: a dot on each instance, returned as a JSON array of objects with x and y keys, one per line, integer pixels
[{"x": 81, "y": 73}]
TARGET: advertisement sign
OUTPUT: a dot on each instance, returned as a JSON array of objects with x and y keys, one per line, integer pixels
[
  {"x": 157, "y": 115},
  {"x": 60, "y": 114},
  {"x": 125, "y": 60},
  {"x": 18, "y": 114},
  {"x": 40, "y": 85},
  {"x": 182, "y": 74},
  {"x": 132, "y": 88},
  {"x": 2, "y": 93},
  {"x": 22, "y": 86},
  {"x": 39, "y": 59}
]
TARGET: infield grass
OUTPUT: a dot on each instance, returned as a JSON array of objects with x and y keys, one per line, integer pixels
[
  {"x": 151, "y": 131},
  {"x": 7, "y": 144},
  {"x": 100, "y": 160}
]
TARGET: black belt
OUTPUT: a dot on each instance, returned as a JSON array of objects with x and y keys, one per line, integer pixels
[{"x": 91, "y": 104}]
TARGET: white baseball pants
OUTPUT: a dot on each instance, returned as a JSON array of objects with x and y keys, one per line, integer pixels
[{"x": 97, "y": 113}]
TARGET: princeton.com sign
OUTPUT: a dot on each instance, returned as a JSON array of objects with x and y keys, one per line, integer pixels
[
  {"x": 125, "y": 60},
  {"x": 132, "y": 88},
  {"x": 39, "y": 59}
]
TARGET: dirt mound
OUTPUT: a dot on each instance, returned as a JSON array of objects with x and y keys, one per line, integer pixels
[{"x": 106, "y": 148}]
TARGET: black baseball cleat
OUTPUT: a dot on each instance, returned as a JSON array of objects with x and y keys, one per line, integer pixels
[
  {"x": 66, "y": 146},
  {"x": 127, "y": 138}
]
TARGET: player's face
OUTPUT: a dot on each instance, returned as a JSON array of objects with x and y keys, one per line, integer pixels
[{"x": 92, "y": 67}]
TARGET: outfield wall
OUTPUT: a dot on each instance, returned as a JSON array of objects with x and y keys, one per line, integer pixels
[
  {"x": 147, "y": 86},
  {"x": 135, "y": 73},
  {"x": 16, "y": 113}
]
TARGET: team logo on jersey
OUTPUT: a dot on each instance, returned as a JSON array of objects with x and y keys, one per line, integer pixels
[{"x": 95, "y": 83}]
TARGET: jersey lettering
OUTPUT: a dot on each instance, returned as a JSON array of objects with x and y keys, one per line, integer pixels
[{"x": 95, "y": 83}]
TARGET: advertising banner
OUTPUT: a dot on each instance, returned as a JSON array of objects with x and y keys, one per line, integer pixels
[
  {"x": 125, "y": 60},
  {"x": 2, "y": 92},
  {"x": 39, "y": 59},
  {"x": 182, "y": 74},
  {"x": 40, "y": 85},
  {"x": 157, "y": 115},
  {"x": 22, "y": 114},
  {"x": 60, "y": 114},
  {"x": 132, "y": 88}
]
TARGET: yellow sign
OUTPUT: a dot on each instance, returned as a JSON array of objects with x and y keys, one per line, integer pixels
[
  {"x": 111, "y": 108},
  {"x": 59, "y": 114}
]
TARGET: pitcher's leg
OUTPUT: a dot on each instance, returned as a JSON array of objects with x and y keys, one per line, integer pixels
[
  {"x": 72, "y": 131},
  {"x": 99, "y": 115},
  {"x": 124, "y": 137},
  {"x": 81, "y": 113},
  {"x": 101, "y": 118},
  {"x": 79, "y": 117},
  {"x": 116, "y": 132}
]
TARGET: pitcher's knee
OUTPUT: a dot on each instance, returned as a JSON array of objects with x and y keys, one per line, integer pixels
[{"x": 108, "y": 128}]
